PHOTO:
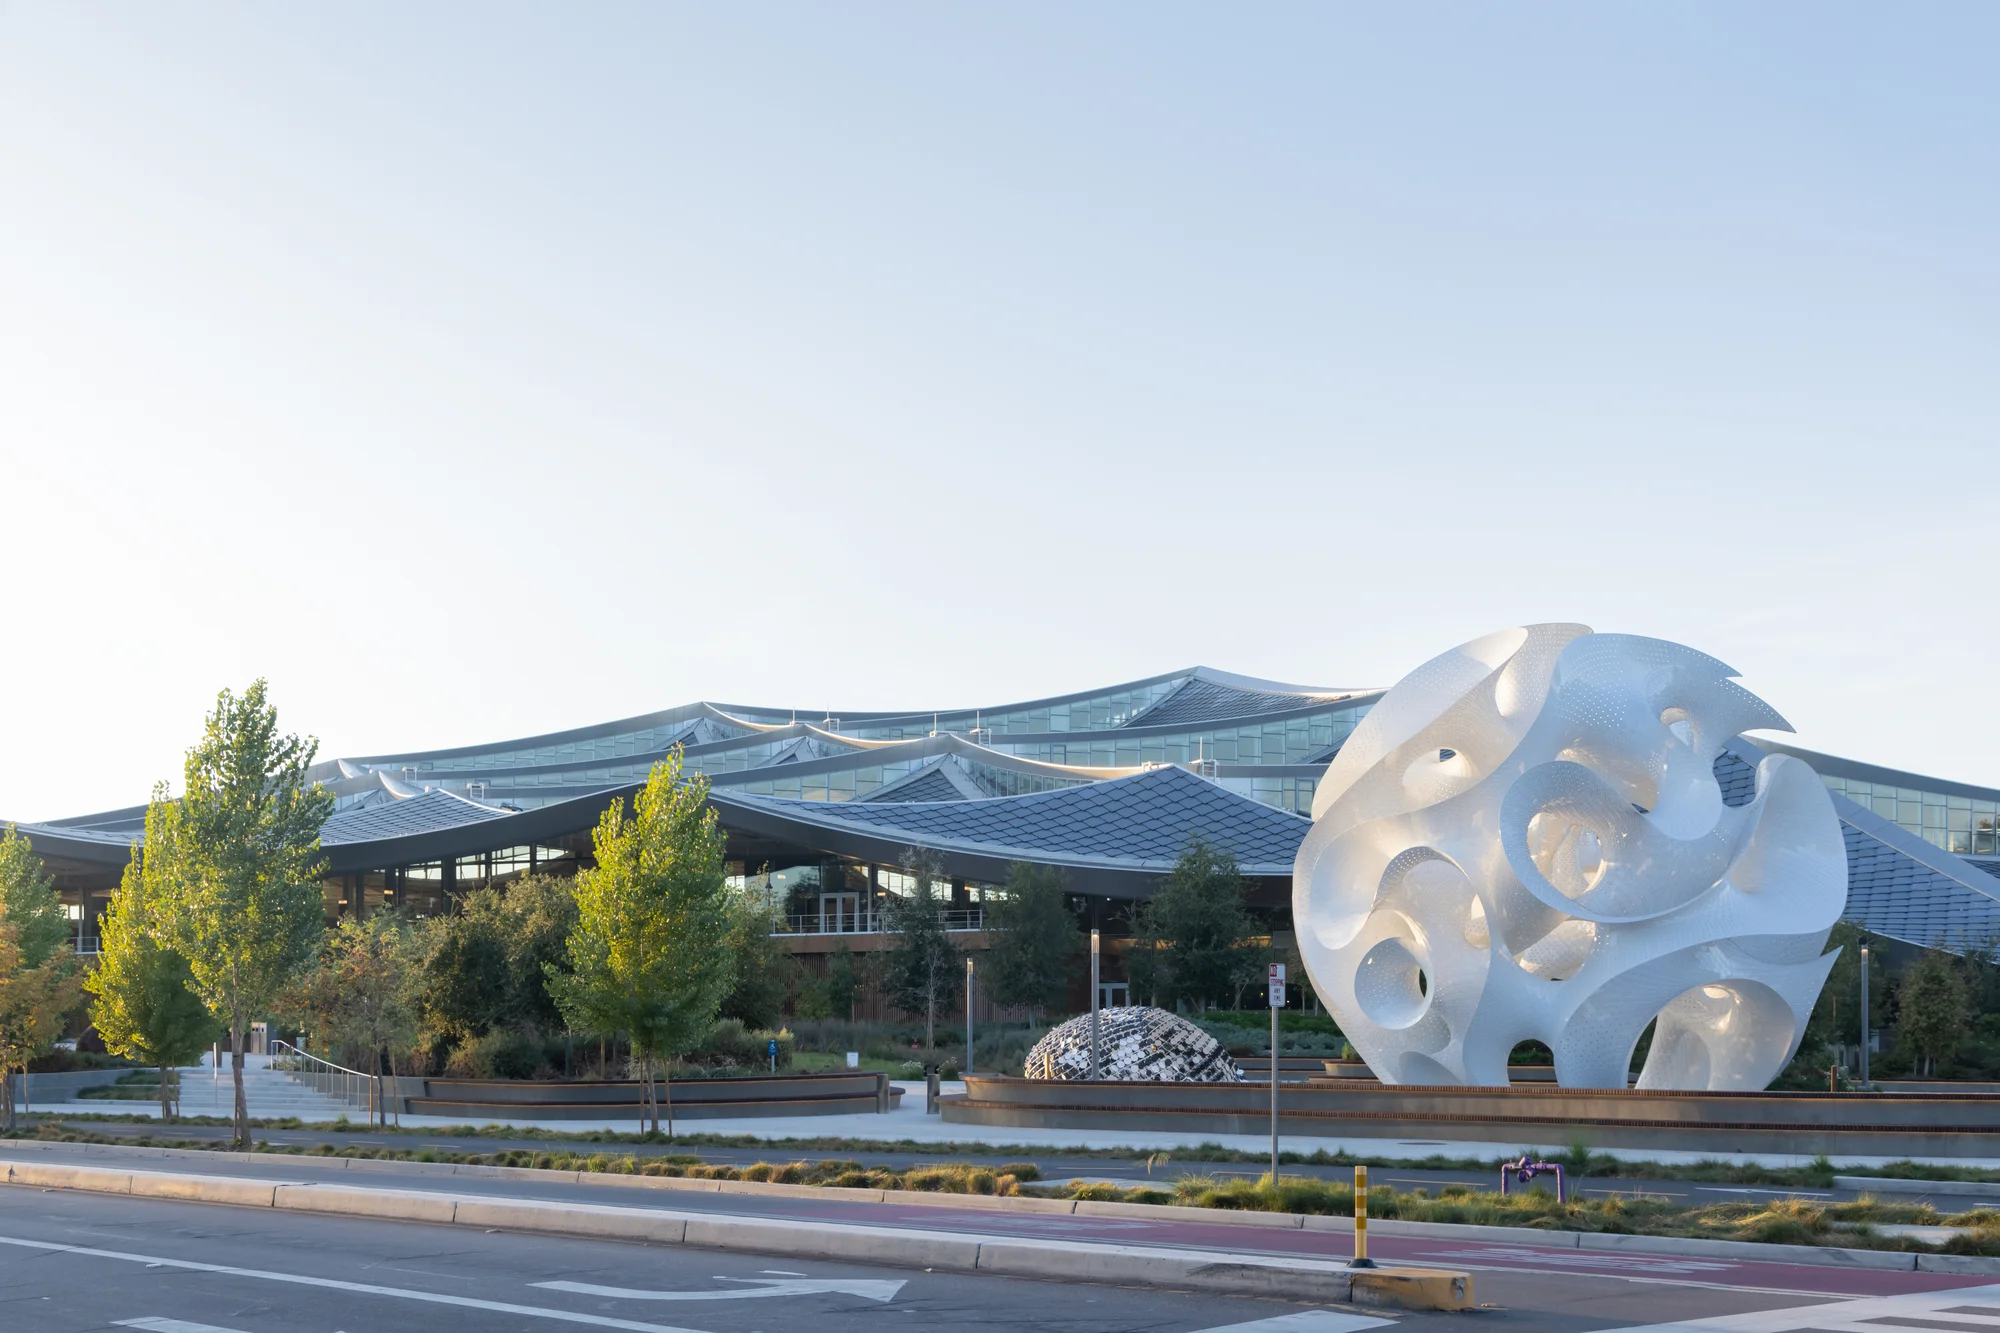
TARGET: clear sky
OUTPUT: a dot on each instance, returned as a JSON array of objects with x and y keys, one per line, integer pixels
[{"x": 476, "y": 370}]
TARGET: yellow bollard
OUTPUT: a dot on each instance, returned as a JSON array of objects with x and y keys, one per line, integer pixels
[{"x": 1361, "y": 1259}]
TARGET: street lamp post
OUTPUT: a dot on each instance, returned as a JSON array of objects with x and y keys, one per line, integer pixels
[
  {"x": 1864, "y": 1017},
  {"x": 968, "y": 1016},
  {"x": 1093, "y": 1002}
]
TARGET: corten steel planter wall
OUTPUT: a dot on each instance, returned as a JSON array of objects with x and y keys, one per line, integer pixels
[
  {"x": 1939, "y": 1124},
  {"x": 693, "y": 1099}
]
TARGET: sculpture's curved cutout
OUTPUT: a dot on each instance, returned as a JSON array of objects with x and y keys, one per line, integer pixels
[{"x": 1525, "y": 839}]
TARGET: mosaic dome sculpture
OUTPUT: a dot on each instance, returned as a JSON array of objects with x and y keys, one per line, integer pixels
[
  {"x": 1527, "y": 839},
  {"x": 1139, "y": 1044}
]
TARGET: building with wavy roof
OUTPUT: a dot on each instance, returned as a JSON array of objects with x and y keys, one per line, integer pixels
[{"x": 1110, "y": 785}]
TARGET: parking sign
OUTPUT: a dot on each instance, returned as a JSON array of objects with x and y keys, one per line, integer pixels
[{"x": 1277, "y": 985}]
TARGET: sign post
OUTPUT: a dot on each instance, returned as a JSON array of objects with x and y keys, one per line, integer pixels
[{"x": 1277, "y": 998}]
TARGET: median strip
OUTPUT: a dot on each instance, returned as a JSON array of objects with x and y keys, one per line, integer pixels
[
  {"x": 1201, "y": 1270},
  {"x": 603, "y": 1170}
]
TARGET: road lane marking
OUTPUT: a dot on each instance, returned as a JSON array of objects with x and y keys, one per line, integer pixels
[
  {"x": 155, "y": 1324},
  {"x": 1646, "y": 1278},
  {"x": 1754, "y": 1189},
  {"x": 365, "y": 1288},
  {"x": 873, "y": 1288},
  {"x": 1866, "y": 1314},
  {"x": 1305, "y": 1321}
]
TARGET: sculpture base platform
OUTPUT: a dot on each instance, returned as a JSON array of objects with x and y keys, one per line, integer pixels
[{"x": 1790, "y": 1123}]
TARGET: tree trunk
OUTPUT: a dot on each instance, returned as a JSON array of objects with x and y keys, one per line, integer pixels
[
  {"x": 7, "y": 1092},
  {"x": 166, "y": 1098},
  {"x": 670, "y": 1107},
  {"x": 649, "y": 1103},
  {"x": 240, "y": 1114}
]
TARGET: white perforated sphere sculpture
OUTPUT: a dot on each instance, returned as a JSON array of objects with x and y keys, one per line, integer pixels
[
  {"x": 1135, "y": 1044},
  {"x": 1526, "y": 839}
]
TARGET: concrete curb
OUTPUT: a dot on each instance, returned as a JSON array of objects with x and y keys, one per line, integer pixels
[
  {"x": 1815, "y": 1255},
  {"x": 1962, "y": 1189},
  {"x": 1200, "y": 1270}
]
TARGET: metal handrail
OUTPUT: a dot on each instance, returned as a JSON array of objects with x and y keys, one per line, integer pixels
[
  {"x": 874, "y": 923},
  {"x": 327, "y": 1078}
]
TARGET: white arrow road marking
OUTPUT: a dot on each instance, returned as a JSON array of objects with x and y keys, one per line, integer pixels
[
  {"x": 873, "y": 1289},
  {"x": 366, "y": 1289},
  {"x": 155, "y": 1324},
  {"x": 1964, "y": 1307},
  {"x": 1306, "y": 1321}
]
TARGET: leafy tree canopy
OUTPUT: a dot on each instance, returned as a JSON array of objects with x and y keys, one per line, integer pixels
[
  {"x": 28, "y": 899},
  {"x": 1034, "y": 939},
  {"x": 1189, "y": 939},
  {"x": 485, "y": 967},
  {"x": 766, "y": 972},
  {"x": 920, "y": 971},
  {"x": 245, "y": 910},
  {"x": 648, "y": 954},
  {"x": 1931, "y": 1016},
  {"x": 146, "y": 1008}
]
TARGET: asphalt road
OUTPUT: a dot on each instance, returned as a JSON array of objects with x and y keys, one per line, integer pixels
[
  {"x": 1533, "y": 1286},
  {"x": 78, "y": 1261},
  {"x": 1054, "y": 1166}
]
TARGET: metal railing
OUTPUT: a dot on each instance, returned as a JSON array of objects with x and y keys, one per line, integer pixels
[
  {"x": 873, "y": 923},
  {"x": 357, "y": 1089}
]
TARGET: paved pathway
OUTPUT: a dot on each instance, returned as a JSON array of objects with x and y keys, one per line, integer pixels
[{"x": 908, "y": 1123}]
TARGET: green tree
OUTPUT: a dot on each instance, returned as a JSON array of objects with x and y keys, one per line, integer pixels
[
  {"x": 38, "y": 972},
  {"x": 246, "y": 911},
  {"x": 1836, "y": 1015},
  {"x": 360, "y": 994},
  {"x": 540, "y": 912},
  {"x": 28, "y": 898},
  {"x": 648, "y": 956},
  {"x": 765, "y": 969},
  {"x": 1189, "y": 939},
  {"x": 844, "y": 980},
  {"x": 145, "y": 1009},
  {"x": 34, "y": 1000},
  {"x": 485, "y": 967},
  {"x": 466, "y": 980},
  {"x": 1932, "y": 1018},
  {"x": 1034, "y": 939},
  {"x": 920, "y": 970}
]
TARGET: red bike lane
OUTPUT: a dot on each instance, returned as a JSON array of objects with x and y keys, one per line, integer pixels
[{"x": 1524, "y": 1256}]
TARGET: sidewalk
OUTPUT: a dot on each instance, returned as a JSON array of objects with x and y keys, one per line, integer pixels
[{"x": 908, "y": 1123}]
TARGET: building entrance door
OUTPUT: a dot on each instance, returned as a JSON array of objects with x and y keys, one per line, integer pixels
[{"x": 839, "y": 913}]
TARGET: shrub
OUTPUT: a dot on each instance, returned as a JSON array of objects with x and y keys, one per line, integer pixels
[
  {"x": 731, "y": 1045},
  {"x": 500, "y": 1055}
]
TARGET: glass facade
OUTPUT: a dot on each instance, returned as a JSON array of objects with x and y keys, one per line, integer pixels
[
  {"x": 1095, "y": 713},
  {"x": 1293, "y": 794},
  {"x": 1293, "y": 740},
  {"x": 1961, "y": 824},
  {"x": 619, "y": 746}
]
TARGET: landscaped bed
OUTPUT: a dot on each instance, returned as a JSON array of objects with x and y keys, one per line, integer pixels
[{"x": 1790, "y": 1221}]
